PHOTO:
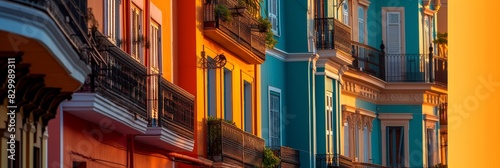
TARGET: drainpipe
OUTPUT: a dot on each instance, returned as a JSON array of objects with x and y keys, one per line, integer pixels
[{"x": 312, "y": 109}]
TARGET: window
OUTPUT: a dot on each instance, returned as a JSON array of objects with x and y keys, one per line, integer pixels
[
  {"x": 361, "y": 24},
  {"x": 153, "y": 65},
  {"x": 345, "y": 12},
  {"x": 211, "y": 95},
  {"x": 329, "y": 123},
  {"x": 346, "y": 139},
  {"x": 136, "y": 34},
  {"x": 112, "y": 19},
  {"x": 395, "y": 146},
  {"x": 228, "y": 94},
  {"x": 247, "y": 97},
  {"x": 393, "y": 43},
  {"x": 155, "y": 45},
  {"x": 79, "y": 164},
  {"x": 274, "y": 15},
  {"x": 36, "y": 157},
  {"x": 275, "y": 116},
  {"x": 430, "y": 147},
  {"x": 357, "y": 125},
  {"x": 395, "y": 143}
]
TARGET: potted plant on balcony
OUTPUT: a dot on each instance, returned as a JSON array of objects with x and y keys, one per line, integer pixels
[
  {"x": 270, "y": 160},
  {"x": 92, "y": 21},
  {"x": 222, "y": 12}
]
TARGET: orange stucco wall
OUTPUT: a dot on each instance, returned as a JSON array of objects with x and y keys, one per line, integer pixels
[{"x": 84, "y": 139}]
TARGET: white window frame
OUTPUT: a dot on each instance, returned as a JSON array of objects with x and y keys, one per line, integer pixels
[
  {"x": 362, "y": 30},
  {"x": 395, "y": 119},
  {"x": 154, "y": 58},
  {"x": 139, "y": 55},
  {"x": 430, "y": 123},
  {"x": 111, "y": 13},
  {"x": 329, "y": 122},
  {"x": 269, "y": 92},
  {"x": 275, "y": 28},
  {"x": 345, "y": 12}
]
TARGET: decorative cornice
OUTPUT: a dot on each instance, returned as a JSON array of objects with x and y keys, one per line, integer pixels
[
  {"x": 395, "y": 116},
  {"x": 429, "y": 117},
  {"x": 358, "y": 116},
  {"x": 401, "y": 98},
  {"x": 276, "y": 53}
]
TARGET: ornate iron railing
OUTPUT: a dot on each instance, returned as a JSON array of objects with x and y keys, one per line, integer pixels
[
  {"x": 332, "y": 161},
  {"x": 119, "y": 78},
  {"x": 227, "y": 143},
  {"x": 176, "y": 109},
  {"x": 71, "y": 17},
  {"x": 367, "y": 165},
  {"x": 332, "y": 34},
  {"x": 239, "y": 29},
  {"x": 399, "y": 67},
  {"x": 290, "y": 158}
]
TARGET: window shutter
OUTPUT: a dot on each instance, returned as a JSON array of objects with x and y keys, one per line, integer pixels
[
  {"x": 393, "y": 33},
  {"x": 346, "y": 13},
  {"x": 273, "y": 15},
  {"x": 361, "y": 21}
]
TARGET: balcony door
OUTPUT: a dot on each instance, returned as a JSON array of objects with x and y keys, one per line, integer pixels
[
  {"x": 395, "y": 146},
  {"x": 394, "y": 58}
]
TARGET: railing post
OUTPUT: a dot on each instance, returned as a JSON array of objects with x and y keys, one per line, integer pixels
[
  {"x": 431, "y": 65},
  {"x": 381, "y": 59}
]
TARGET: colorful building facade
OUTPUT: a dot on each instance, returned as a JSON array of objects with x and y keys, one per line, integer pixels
[
  {"x": 128, "y": 113},
  {"x": 355, "y": 83}
]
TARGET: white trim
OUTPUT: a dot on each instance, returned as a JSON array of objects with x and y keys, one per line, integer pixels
[
  {"x": 406, "y": 125},
  {"x": 276, "y": 54},
  {"x": 429, "y": 117},
  {"x": 395, "y": 116},
  {"x": 277, "y": 90},
  {"x": 366, "y": 112},
  {"x": 47, "y": 33}
]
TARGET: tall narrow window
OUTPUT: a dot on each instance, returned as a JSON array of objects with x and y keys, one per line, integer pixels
[
  {"x": 136, "y": 34},
  {"x": 345, "y": 12},
  {"x": 394, "y": 71},
  {"x": 211, "y": 96},
  {"x": 366, "y": 145},
  {"x": 329, "y": 123},
  {"x": 395, "y": 146},
  {"x": 112, "y": 19},
  {"x": 274, "y": 15},
  {"x": 346, "y": 139},
  {"x": 228, "y": 94},
  {"x": 247, "y": 87},
  {"x": 275, "y": 117},
  {"x": 430, "y": 147},
  {"x": 361, "y": 24},
  {"x": 153, "y": 65}
]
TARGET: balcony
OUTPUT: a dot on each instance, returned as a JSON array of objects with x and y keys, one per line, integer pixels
[
  {"x": 237, "y": 35},
  {"x": 289, "y": 156},
  {"x": 400, "y": 67},
  {"x": 176, "y": 110},
  {"x": 118, "y": 78},
  {"x": 332, "y": 34},
  {"x": 71, "y": 17},
  {"x": 366, "y": 165},
  {"x": 229, "y": 144},
  {"x": 333, "y": 161}
]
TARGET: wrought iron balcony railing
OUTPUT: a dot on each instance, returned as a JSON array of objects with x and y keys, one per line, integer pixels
[
  {"x": 176, "y": 109},
  {"x": 240, "y": 29},
  {"x": 367, "y": 165},
  {"x": 71, "y": 17},
  {"x": 290, "y": 157},
  {"x": 332, "y": 34},
  {"x": 119, "y": 78},
  {"x": 333, "y": 161},
  {"x": 400, "y": 67},
  {"x": 227, "y": 143}
]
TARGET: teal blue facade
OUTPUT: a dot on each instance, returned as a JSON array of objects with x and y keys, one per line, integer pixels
[{"x": 312, "y": 85}]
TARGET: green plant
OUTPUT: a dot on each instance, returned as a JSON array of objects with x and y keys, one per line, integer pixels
[
  {"x": 264, "y": 25},
  {"x": 211, "y": 119},
  {"x": 442, "y": 42},
  {"x": 270, "y": 160},
  {"x": 270, "y": 41},
  {"x": 223, "y": 13},
  {"x": 253, "y": 6}
]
